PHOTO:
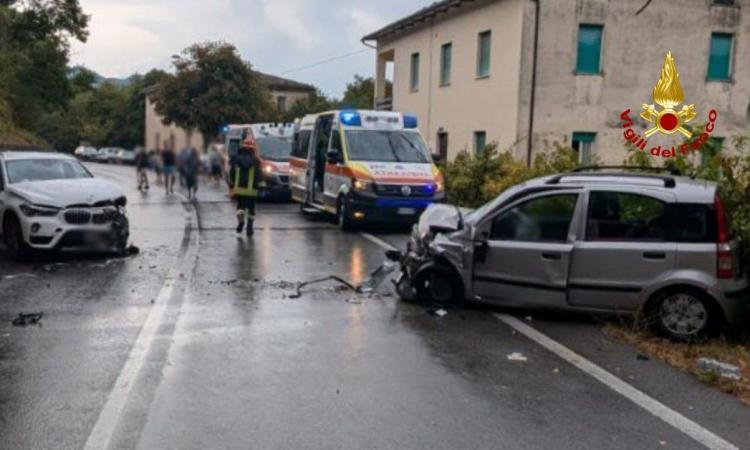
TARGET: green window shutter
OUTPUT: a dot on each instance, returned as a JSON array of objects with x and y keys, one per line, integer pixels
[
  {"x": 589, "y": 49},
  {"x": 720, "y": 56},
  {"x": 480, "y": 141},
  {"x": 414, "y": 80},
  {"x": 483, "y": 54},
  {"x": 446, "y": 56}
]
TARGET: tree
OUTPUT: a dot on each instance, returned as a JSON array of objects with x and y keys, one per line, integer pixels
[
  {"x": 315, "y": 103},
  {"x": 212, "y": 87},
  {"x": 34, "y": 46},
  {"x": 360, "y": 93}
]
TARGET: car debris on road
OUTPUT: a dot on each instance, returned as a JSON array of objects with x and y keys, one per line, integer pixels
[
  {"x": 28, "y": 319},
  {"x": 722, "y": 369}
]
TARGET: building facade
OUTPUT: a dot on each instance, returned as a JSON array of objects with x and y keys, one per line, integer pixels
[
  {"x": 486, "y": 71},
  {"x": 160, "y": 135}
]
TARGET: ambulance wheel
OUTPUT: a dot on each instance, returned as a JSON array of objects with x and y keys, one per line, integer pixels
[{"x": 342, "y": 216}]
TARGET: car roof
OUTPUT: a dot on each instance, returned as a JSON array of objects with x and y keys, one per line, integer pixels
[
  {"x": 685, "y": 189},
  {"x": 17, "y": 155}
]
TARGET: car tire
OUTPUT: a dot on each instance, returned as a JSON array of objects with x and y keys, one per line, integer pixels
[
  {"x": 684, "y": 314},
  {"x": 15, "y": 245},
  {"x": 440, "y": 287},
  {"x": 342, "y": 216}
]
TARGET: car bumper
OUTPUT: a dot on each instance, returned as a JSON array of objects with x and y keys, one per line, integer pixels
[
  {"x": 277, "y": 187},
  {"x": 55, "y": 233},
  {"x": 372, "y": 208},
  {"x": 735, "y": 301}
]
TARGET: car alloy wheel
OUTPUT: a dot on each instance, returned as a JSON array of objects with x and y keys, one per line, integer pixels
[{"x": 683, "y": 315}]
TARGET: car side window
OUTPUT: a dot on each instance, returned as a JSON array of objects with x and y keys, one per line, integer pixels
[
  {"x": 696, "y": 223},
  {"x": 618, "y": 216},
  {"x": 336, "y": 140},
  {"x": 543, "y": 219},
  {"x": 301, "y": 144}
]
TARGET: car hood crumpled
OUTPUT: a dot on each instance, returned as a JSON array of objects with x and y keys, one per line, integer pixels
[{"x": 64, "y": 193}]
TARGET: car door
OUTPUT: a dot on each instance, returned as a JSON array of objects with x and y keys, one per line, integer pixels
[
  {"x": 319, "y": 147},
  {"x": 527, "y": 254},
  {"x": 624, "y": 248}
]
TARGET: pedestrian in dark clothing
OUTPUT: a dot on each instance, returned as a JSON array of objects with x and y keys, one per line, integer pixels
[
  {"x": 141, "y": 169},
  {"x": 244, "y": 180},
  {"x": 191, "y": 169},
  {"x": 168, "y": 159}
]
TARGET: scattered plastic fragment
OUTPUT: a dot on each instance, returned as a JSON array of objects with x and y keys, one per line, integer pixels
[
  {"x": 722, "y": 369},
  {"x": 377, "y": 277},
  {"x": 517, "y": 357},
  {"x": 298, "y": 292},
  {"x": 27, "y": 319},
  {"x": 439, "y": 312}
]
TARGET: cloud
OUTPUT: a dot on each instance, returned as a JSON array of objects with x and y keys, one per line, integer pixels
[{"x": 274, "y": 35}]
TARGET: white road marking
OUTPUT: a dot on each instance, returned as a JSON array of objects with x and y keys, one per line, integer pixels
[
  {"x": 377, "y": 241},
  {"x": 653, "y": 406},
  {"x": 663, "y": 412},
  {"x": 109, "y": 417}
]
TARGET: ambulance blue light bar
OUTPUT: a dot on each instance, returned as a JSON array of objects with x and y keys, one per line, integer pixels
[
  {"x": 410, "y": 121},
  {"x": 351, "y": 118}
]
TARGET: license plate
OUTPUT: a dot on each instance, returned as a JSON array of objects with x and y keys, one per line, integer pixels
[{"x": 406, "y": 211}]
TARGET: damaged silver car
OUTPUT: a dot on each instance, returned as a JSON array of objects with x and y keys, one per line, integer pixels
[{"x": 597, "y": 241}]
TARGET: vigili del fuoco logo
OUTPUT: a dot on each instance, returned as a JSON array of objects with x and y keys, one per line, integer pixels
[{"x": 668, "y": 120}]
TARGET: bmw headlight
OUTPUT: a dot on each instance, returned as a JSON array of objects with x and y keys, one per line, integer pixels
[{"x": 38, "y": 211}]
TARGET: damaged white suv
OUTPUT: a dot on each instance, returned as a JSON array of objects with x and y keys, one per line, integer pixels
[{"x": 50, "y": 201}]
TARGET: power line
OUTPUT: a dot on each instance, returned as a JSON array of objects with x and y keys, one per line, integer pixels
[{"x": 325, "y": 61}]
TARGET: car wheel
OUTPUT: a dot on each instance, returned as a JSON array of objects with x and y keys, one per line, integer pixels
[
  {"x": 684, "y": 314},
  {"x": 13, "y": 236},
  {"x": 342, "y": 216},
  {"x": 439, "y": 286}
]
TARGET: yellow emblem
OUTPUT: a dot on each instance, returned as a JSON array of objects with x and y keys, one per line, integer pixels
[{"x": 668, "y": 94}]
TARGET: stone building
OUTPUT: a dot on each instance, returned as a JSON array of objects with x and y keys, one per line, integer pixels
[
  {"x": 478, "y": 71},
  {"x": 159, "y": 135}
]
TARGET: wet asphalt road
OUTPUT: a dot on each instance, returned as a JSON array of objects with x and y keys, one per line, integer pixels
[{"x": 196, "y": 343}]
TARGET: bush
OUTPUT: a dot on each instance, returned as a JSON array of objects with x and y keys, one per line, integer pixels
[{"x": 473, "y": 180}]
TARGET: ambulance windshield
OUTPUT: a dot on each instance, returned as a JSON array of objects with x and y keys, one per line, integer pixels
[
  {"x": 275, "y": 148},
  {"x": 386, "y": 146}
]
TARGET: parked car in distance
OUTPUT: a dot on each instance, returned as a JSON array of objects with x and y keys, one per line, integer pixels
[
  {"x": 658, "y": 246},
  {"x": 107, "y": 155},
  {"x": 125, "y": 156},
  {"x": 50, "y": 201},
  {"x": 86, "y": 152}
]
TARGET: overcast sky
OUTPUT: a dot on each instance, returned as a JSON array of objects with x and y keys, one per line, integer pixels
[{"x": 274, "y": 35}]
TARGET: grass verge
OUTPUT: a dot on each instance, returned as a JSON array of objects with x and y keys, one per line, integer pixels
[{"x": 684, "y": 356}]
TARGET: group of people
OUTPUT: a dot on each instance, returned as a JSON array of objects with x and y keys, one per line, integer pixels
[
  {"x": 171, "y": 166},
  {"x": 244, "y": 178}
]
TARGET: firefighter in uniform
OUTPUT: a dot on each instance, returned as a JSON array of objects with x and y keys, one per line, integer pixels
[{"x": 245, "y": 178}]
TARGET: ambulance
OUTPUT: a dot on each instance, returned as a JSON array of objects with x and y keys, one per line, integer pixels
[
  {"x": 274, "y": 144},
  {"x": 363, "y": 166}
]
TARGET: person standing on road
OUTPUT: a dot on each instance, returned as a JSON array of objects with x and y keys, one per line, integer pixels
[
  {"x": 168, "y": 159},
  {"x": 191, "y": 170},
  {"x": 216, "y": 164},
  {"x": 244, "y": 180},
  {"x": 141, "y": 169}
]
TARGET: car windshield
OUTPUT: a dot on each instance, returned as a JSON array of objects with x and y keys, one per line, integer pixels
[
  {"x": 275, "y": 148},
  {"x": 45, "y": 169},
  {"x": 386, "y": 146}
]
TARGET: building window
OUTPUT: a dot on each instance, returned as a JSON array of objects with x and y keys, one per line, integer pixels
[
  {"x": 713, "y": 147},
  {"x": 589, "y": 49},
  {"x": 720, "y": 57},
  {"x": 484, "y": 50},
  {"x": 583, "y": 144},
  {"x": 281, "y": 103},
  {"x": 414, "y": 80},
  {"x": 480, "y": 141},
  {"x": 724, "y": 2},
  {"x": 446, "y": 56},
  {"x": 442, "y": 145}
]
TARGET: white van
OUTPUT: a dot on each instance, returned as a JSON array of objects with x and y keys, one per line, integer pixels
[{"x": 364, "y": 166}]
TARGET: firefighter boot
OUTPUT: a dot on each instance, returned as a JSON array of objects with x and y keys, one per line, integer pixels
[
  {"x": 240, "y": 221},
  {"x": 250, "y": 229}
]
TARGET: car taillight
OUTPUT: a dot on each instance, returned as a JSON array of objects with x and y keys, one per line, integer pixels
[{"x": 724, "y": 257}]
